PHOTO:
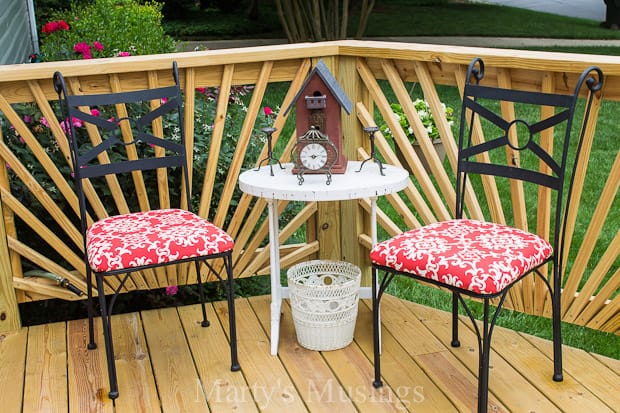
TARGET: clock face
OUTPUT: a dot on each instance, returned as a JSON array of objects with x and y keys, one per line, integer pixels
[{"x": 313, "y": 156}]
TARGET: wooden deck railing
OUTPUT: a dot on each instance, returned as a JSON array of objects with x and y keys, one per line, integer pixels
[{"x": 373, "y": 74}]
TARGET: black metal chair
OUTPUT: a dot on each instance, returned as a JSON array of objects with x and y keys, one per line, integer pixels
[
  {"x": 484, "y": 260},
  {"x": 121, "y": 145}
]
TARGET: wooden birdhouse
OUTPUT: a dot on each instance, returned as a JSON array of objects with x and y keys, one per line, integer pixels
[{"x": 317, "y": 107}]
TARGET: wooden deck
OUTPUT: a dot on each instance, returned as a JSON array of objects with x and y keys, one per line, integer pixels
[{"x": 167, "y": 362}]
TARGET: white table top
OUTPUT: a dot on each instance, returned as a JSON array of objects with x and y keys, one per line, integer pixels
[{"x": 350, "y": 185}]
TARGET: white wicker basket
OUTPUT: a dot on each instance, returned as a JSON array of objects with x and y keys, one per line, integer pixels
[{"x": 324, "y": 297}]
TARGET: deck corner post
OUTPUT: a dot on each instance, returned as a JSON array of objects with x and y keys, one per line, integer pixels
[
  {"x": 354, "y": 221},
  {"x": 9, "y": 311}
]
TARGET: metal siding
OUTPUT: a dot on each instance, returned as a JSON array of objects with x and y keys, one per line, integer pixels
[{"x": 16, "y": 42}]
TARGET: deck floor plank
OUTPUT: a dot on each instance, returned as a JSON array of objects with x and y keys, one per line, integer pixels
[
  {"x": 355, "y": 372},
  {"x": 178, "y": 366},
  {"x": 135, "y": 375},
  {"x": 506, "y": 384},
  {"x": 272, "y": 388},
  {"x": 225, "y": 390},
  {"x": 45, "y": 386},
  {"x": 587, "y": 370},
  {"x": 86, "y": 370},
  {"x": 613, "y": 364},
  {"x": 453, "y": 373},
  {"x": 12, "y": 368},
  {"x": 175, "y": 374},
  {"x": 315, "y": 381},
  {"x": 400, "y": 371},
  {"x": 538, "y": 368}
]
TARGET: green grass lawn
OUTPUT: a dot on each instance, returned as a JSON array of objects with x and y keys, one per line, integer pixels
[{"x": 401, "y": 18}]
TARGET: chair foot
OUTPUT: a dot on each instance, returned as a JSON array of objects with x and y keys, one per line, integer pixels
[
  {"x": 558, "y": 377},
  {"x": 91, "y": 346},
  {"x": 113, "y": 395},
  {"x": 377, "y": 384},
  {"x": 455, "y": 343},
  {"x": 235, "y": 367},
  {"x": 205, "y": 323}
]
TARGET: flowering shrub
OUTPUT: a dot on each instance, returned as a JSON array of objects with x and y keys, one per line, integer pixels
[
  {"x": 86, "y": 51},
  {"x": 54, "y": 26},
  {"x": 424, "y": 112},
  {"x": 105, "y": 28},
  {"x": 205, "y": 108}
]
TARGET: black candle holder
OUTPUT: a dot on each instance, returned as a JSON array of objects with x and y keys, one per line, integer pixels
[
  {"x": 269, "y": 158},
  {"x": 371, "y": 130}
]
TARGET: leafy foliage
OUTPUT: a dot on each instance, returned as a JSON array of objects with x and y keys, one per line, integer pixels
[
  {"x": 105, "y": 28},
  {"x": 426, "y": 116}
]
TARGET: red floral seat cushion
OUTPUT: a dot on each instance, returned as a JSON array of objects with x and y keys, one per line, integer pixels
[
  {"x": 152, "y": 237},
  {"x": 481, "y": 257}
]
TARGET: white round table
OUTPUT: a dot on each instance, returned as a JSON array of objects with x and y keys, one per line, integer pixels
[{"x": 284, "y": 185}]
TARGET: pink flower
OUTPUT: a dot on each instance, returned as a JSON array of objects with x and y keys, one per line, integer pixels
[
  {"x": 98, "y": 45},
  {"x": 94, "y": 112},
  {"x": 51, "y": 27},
  {"x": 44, "y": 122},
  {"x": 124, "y": 54},
  {"x": 267, "y": 111},
  {"x": 27, "y": 119},
  {"x": 201, "y": 90},
  {"x": 172, "y": 290},
  {"x": 83, "y": 48},
  {"x": 63, "y": 126},
  {"x": 77, "y": 123}
]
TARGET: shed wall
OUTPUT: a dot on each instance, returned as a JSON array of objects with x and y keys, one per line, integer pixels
[{"x": 17, "y": 31}]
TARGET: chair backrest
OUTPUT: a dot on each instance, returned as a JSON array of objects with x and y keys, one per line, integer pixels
[
  {"x": 123, "y": 134},
  {"x": 526, "y": 137}
]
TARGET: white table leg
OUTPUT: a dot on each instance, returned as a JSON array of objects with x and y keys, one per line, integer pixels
[
  {"x": 373, "y": 236},
  {"x": 274, "y": 260}
]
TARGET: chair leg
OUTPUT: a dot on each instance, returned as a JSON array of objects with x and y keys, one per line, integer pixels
[
  {"x": 106, "y": 322},
  {"x": 91, "y": 310},
  {"x": 234, "y": 360},
  {"x": 484, "y": 361},
  {"x": 375, "y": 331},
  {"x": 201, "y": 293},
  {"x": 557, "y": 333},
  {"x": 455, "y": 320}
]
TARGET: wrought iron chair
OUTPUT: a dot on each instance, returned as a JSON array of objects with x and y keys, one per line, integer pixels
[
  {"x": 484, "y": 260},
  {"x": 132, "y": 141}
]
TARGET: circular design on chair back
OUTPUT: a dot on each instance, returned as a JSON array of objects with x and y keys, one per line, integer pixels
[{"x": 515, "y": 124}]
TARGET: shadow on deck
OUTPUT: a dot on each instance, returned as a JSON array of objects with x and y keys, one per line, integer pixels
[{"x": 167, "y": 362}]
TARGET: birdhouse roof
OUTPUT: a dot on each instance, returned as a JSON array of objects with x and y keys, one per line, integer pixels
[{"x": 332, "y": 84}]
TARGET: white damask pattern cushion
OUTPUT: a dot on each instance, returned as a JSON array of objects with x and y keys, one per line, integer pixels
[
  {"x": 481, "y": 257},
  {"x": 152, "y": 237}
]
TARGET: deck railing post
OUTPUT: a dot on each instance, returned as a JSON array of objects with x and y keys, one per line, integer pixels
[
  {"x": 354, "y": 220},
  {"x": 9, "y": 311}
]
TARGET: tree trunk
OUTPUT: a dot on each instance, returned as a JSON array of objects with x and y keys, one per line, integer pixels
[{"x": 317, "y": 20}]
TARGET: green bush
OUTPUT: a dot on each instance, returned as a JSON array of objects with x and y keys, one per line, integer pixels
[{"x": 105, "y": 28}]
